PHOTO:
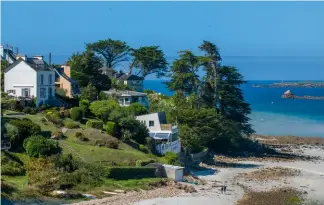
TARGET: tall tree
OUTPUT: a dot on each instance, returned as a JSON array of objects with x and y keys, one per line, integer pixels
[
  {"x": 232, "y": 104},
  {"x": 111, "y": 51},
  {"x": 149, "y": 60},
  {"x": 212, "y": 66},
  {"x": 184, "y": 73},
  {"x": 85, "y": 70}
]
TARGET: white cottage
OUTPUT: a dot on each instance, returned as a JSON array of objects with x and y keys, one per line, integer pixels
[
  {"x": 30, "y": 77},
  {"x": 165, "y": 136}
]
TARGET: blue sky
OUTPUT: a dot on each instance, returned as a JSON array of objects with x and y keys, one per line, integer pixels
[{"x": 256, "y": 37}]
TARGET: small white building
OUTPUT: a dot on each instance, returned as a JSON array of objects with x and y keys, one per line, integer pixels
[
  {"x": 165, "y": 136},
  {"x": 127, "y": 97},
  {"x": 30, "y": 77}
]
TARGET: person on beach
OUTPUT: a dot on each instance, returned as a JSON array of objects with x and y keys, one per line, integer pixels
[{"x": 222, "y": 189}]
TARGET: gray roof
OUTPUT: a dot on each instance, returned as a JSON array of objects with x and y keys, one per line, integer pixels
[
  {"x": 37, "y": 65},
  {"x": 124, "y": 93},
  {"x": 129, "y": 77}
]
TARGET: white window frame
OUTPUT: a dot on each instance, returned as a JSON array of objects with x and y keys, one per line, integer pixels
[{"x": 11, "y": 91}]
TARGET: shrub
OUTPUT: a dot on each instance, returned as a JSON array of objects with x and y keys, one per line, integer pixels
[
  {"x": 103, "y": 107},
  {"x": 33, "y": 111},
  {"x": 36, "y": 146},
  {"x": 143, "y": 148},
  {"x": 43, "y": 120},
  {"x": 111, "y": 129},
  {"x": 11, "y": 168},
  {"x": 131, "y": 172},
  {"x": 84, "y": 103},
  {"x": 66, "y": 163},
  {"x": 137, "y": 129},
  {"x": 113, "y": 144},
  {"x": 137, "y": 109},
  {"x": 55, "y": 118},
  {"x": 97, "y": 124},
  {"x": 71, "y": 125},
  {"x": 80, "y": 136},
  {"x": 27, "y": 110},
  {"x": 57, "y": 135},
  {"x": 22, "y": 129},
  {"x": 141, "y": 163},
  {"x": 66, "y": 113},
  {"x": 171, "y": 157},
  {"x": 76, "y": 113}
]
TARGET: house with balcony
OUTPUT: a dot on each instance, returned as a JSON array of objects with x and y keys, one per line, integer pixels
[
  {"x": 165, "y": 136},
  {"x": 64, "y": 81},
  {"x": 27, "y": 78},
  {"x": 127, "y": 97}
]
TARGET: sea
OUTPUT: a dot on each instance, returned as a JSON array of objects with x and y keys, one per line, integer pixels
[{"x": 271, "y": 115}]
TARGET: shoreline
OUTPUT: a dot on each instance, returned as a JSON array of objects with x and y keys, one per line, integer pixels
[{"x": 245, "y": 177}]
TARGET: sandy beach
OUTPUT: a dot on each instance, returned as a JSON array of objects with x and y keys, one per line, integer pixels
[{"x": 242, "y": 176}]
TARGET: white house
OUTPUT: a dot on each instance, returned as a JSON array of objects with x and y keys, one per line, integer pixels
[
  {"x": 127, "y": 97},
  {"x": 165, "y": 136},
  {"x": 30, "y": 77}
]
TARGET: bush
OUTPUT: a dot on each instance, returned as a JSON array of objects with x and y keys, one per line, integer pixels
[
  {"x": 137, "y": 129},
  {"x": 141, "y": 163},
  {"x": 80, "y": 136},
  {"x": 43, "y": 120},
  {"x": 113, "y": 144},
  {"x": 103, "y": 108},
  {"x": 111, "y": 129},
  {"x": 84, "y": 103},
  {"x": 171, "y": 158},
  {"x": 71, "y": 125},
  {"x": 137, "y": 109},
  {"x": 58, "y": 135},
  {"x": 22, "y": 129},
  {"x": 131, "y": 172},
  {"x": 27, "y": 110},
  {"x": 33, "y": 111},
  {"x": 66, "y": 113},
  {"x": 10, "y": 167},
  {"x": 97, "y": 124},
  {"x": 55, "y": 118},
  {"x": 77, "y": 113},
  {"x": 143, "y": 148},
  {"x": 36, "y": 146}
]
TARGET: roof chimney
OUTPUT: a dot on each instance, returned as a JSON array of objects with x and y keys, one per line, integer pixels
[{"x": 49, "y": 59}]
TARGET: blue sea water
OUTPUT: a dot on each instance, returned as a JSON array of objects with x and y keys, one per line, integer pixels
[{"x": 272, "y": 115}]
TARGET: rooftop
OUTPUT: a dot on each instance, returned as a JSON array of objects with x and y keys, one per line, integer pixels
[{"x": 124, "y": 93}]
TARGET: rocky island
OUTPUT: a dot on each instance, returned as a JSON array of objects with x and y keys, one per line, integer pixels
[
  {"x": 291, "y": 85},
  {"x": 289, "y": 95}
]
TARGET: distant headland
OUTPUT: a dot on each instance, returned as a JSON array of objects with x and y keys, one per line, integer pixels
[{"x": 306, "y": 84}]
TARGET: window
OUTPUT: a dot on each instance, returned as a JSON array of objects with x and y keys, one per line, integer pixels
[
  {"x": 50, "y": 79},
  {"x": 151, "y": 123},
  {"x": 126, "y": 99},
  {"x": 41, "y": 79},
  {"x": 43, "y": 92},
  {"x": 11, "y": 91},
  {"x": 49, "y": 92},
  {"x": 25, "y": 92}
]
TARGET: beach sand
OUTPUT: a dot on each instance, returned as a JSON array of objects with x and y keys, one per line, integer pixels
[{"x": 309, "y": 181}]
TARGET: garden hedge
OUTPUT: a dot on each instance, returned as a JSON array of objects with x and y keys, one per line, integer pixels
[
  {"x": 141, "y": 163},
  {"x": 111, "y": 129},
  {"x": 77, "y": 113},
  {"x": 97, "y": 124},
  {"x": 131, "y": 172}
]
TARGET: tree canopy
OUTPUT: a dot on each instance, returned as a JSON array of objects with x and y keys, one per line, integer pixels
[
  {"x": 149, "y": 60},
  {"x": 111, "y": 51}
]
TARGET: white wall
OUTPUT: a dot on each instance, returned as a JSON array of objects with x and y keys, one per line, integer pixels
[
  {"x": 151, "y": 117},
  {"x": 21, "y": 76}
]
